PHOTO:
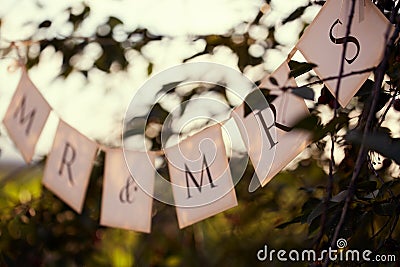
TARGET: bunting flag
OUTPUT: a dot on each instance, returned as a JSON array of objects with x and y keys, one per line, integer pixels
[
  {"x": 270, "y": 141},
  {"x": 201, "y": 180},
  {"x": 127, "y": 198},
  {"x": 322, "y": 44},
  {"x": 69, "y": 165},
  {"x": 26, "y": 116}
]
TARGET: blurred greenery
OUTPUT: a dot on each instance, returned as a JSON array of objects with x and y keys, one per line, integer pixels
[{"x": 38, "y": 229}]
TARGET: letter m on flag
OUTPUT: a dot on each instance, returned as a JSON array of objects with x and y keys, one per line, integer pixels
[
  {"x": 26, "y": 116},
  {"x": 188, "y": 174}
]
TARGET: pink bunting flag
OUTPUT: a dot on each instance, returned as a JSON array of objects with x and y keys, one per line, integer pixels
[
  {"x": 267, "y": 134},
  {"x": 26, "y": 116},
  {"x": 69, "y": 165},
  {"x": 202, "y": 185},
  {"x": 127, "y": 191},
  {"x": 322, "y": 44}
]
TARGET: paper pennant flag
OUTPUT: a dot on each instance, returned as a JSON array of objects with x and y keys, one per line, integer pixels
[
  {"x": 26, "y": 116},
  {"x": 201, "y": 180},
  {"x": 69, "y": 165},
  {"x": 267, "y": 134},
  {"x": 322, "y": 44},
  {"x": 127, "y": 200}
]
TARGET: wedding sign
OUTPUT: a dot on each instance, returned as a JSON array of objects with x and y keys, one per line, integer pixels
[
  {"x": 322, "y": 44},
  {"x": 69, "y": 165},
  {"x": 26, "y": 116},
  {"x": 127, "y": 197},
  {"x": 270, "y": 141},
  {"x": 201, "y": 180}
]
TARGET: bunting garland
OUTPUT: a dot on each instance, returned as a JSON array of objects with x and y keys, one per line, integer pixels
[{"x": 200, "y": 177}]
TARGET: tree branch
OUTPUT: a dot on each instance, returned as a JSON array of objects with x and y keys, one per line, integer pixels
[{"x": 379, "y": 75}]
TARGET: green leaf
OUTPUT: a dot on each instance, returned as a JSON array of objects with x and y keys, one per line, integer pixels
[
  {"x": 309, "y": 123},
  {"x": 299, "y": 68},
  {"x": 304, "y": 92},
  {"x": 380, "y": 142},
  {"x": 113, "y": 21},
  {"x": 319, "y": 210},
  {"x": 386, "y": 186},
  {"x": 286, "y": 224},
  {"x": 385, "y": 209},
  {"x": 367, "y": 185}
]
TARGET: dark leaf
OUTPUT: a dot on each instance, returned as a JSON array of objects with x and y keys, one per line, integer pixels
[
  {"x": 366, "y": 88},
  {"x": 385, "y": 209},
  {"x": 170, "y": 87},
  {"x": 367, "y": 186},
  {"x": 299, "y": 68},
  {"x": 113, "y": 21},
  {"x": 319, "y": 210},
  {"x": 286, "y": 224},
  {"x": 383, "y": 99},
  {"x": 304, "y": 92},
  {"x": 341, "y": 196},
  {"x": 157, "y": 113},
  {"x": 386, "y": 186},
  {"x": 273, "y": 81},
  {"x": 136, "y": 126},
  {"x": 256, "y": 100},
  {"x": 309, "y": 123},
  {"x": 112, "y": 52},
  {"x": 332, "y": 126},
  {"x": 150, "y": 69},
  {"x": 296, "y": 14},
  {"x": 380, "y": 142}
]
